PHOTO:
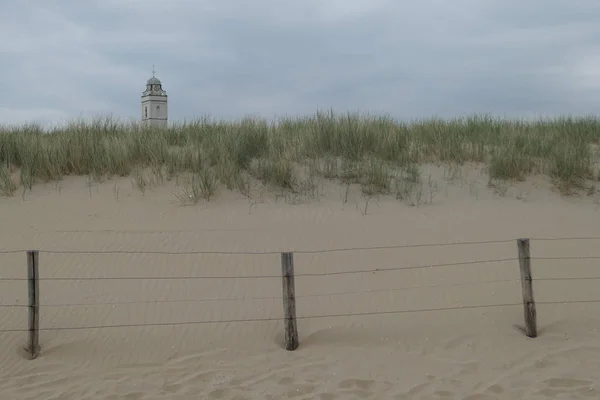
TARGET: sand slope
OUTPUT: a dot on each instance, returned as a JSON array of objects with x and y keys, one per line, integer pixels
[{"x": 473, "y": 353}]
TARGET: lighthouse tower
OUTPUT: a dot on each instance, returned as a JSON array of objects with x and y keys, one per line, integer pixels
[{"x": 154, "y": 103}]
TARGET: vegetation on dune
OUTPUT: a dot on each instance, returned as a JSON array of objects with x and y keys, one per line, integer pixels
[{"x": 377, "y": 152}]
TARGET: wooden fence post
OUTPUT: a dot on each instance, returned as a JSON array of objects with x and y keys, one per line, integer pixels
[
  {"x": 527, "y": 288},
  {"x": 33, "y": 345},
  {"x": 289, "y": 301}
]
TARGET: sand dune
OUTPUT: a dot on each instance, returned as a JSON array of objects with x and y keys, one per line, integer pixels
[{"x": 471, "y": 353}]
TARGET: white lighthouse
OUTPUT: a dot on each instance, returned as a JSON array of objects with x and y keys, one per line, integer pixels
[{"x": 154, "y": 103}]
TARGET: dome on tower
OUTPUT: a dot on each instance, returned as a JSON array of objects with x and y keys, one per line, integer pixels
[{"x": 153, "y": 81}]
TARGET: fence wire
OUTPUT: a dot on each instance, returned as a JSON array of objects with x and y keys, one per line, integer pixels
[
  {"x": 316, "y": 295},
  {"x": 191, "y": 277},
  {"x": 314, "y": 251},
  {"x": 372, "y": 270},
  {"x": 157, "y": 324},
  {"x": 224, "y": 299},
  {"x": 317, "y": 251},
  {"x": 547, "y": 239}
]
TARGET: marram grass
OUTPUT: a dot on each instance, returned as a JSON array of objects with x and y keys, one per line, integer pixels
[{"x": 377, "y": 152}]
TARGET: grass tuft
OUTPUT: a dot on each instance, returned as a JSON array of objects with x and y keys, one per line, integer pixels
[
  {"x": 376, "y": 152},
  {"x": 7, "y": 185}
]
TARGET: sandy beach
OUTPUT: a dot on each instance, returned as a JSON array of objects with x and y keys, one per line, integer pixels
[{"x": 471, "y": 353}]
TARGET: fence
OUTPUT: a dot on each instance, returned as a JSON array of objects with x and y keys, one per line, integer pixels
[{"x": 288, "y": 275}]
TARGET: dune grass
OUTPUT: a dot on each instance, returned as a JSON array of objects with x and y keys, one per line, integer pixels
[{"x": 377, "y": 152}]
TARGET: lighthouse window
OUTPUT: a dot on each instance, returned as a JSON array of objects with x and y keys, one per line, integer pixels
[
  {"x": 157, "y": 108},
  {"x": 146, "y": 111}
]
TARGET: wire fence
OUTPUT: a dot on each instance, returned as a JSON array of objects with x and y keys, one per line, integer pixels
[{"x": 288, "y": 276}]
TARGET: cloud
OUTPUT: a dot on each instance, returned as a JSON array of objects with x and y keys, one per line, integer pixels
[{"x": 63, "y": 59}]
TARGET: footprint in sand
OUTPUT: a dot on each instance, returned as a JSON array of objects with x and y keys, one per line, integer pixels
[
  {"x": 573, "y": 388},
  {"x": 363, "y": 388}
]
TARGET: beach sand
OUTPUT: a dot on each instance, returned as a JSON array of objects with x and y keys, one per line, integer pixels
[{"x": 469, "y": 353}]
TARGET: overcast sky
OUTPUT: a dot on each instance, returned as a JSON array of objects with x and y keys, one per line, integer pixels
[{"x": 64, "y": 59}]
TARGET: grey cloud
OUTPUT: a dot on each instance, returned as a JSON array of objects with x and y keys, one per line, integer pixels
[{"x": 63, "y": 59}]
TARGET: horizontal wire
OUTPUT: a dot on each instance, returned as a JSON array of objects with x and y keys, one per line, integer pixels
[
  {"x": 266, "y": 276},
  {"x": 157, "y": 278},
  {"x": 343, "y": 249},
  {"x": 151, "y": 232},
  {"x": 407, "y": 268},
  {"x": 567, "y": 258},
  {"x": 261, "y": 319},
  {"x": 316, "y": 274},
  {"x": 405, "y": 246},
  {"x": 566, "y": 238},
  {"x": 298, "y": 318},
  {"x": 299, "y": 296},
  {"x": 569, "y": 302},
  {"x": 270, "y": 297},
  {"x": 297, "y": 251},
  {"x": 13, "y": 251},
  {"x": 244, "y": 253},
  {"x": 590, "y": 278}
]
